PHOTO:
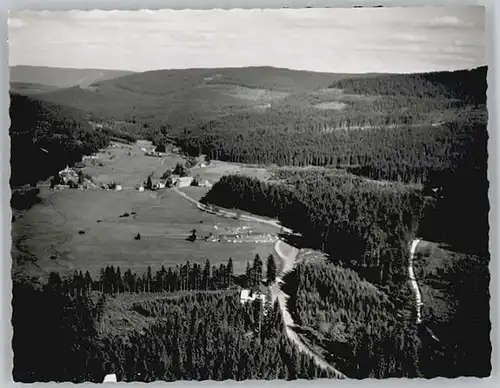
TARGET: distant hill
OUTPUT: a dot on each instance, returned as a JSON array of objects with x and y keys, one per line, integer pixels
[
  {"x": 215, "y": 105},
  {"x": 30, "y": 88},
  {"x": 186, "y": 97},
  {"x": 61, "y": 77}
]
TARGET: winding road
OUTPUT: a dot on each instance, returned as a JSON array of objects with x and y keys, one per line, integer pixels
[
  {"x": 413, "y": 280},
  {"x": 288, "y": 254}
]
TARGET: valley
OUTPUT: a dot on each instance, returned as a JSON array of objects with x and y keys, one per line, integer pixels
[{"x": 340, "y": 199}]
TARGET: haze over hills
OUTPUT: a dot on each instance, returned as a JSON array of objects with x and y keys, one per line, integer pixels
[{"x": 61, "y": 77}]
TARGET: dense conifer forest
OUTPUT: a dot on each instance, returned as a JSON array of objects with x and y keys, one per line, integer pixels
[
  {"x": 362, "y": 332},
  {"x": 364, "y": 225},
  {"x": 194, "y": 336}
]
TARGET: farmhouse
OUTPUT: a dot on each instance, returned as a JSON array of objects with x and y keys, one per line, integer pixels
[
  {"x": 249, "y": 296},
  {"x": 161, "y": 184},
  {"x": 183, "y": 181}
]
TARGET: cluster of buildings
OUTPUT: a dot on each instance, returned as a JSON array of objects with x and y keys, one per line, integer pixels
[
  {"x": 154, "y": 153},
  {"x": 174, "y": 181}
]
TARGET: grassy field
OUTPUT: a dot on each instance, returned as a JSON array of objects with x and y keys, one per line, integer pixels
[
  {"x": 128, "y": 165},
  {"x": 51, "y": 232},
  {"x": 216, "y": 169},
  {"x": 82, "y": 229}
]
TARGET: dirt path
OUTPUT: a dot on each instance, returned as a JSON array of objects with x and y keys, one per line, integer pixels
[
  {"x": 413, "y": 280},
  {"x": 287, "y": 255}
]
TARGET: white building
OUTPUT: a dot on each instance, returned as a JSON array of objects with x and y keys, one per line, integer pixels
[
  {"x": 110, "y": 378},
  {"x": 184, "y": 181},
  {"x": 118, "y": 188},
  {"x": 160, "y": 184},
  {"x": 248, "y": 296},
  {"x": 205, "y": 183}
]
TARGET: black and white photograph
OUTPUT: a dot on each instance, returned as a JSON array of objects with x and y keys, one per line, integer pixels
[{"x": 249, "y": 194}]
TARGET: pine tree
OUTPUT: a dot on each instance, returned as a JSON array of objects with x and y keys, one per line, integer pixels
[
  {"x": 230, "y": 272},
  {"x": 271, "y": 269}
]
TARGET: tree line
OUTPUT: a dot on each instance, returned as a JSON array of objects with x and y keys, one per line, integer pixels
[{"x": 186, "y": 277}]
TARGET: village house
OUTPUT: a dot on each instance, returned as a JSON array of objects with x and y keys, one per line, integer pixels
[
  {"x": 184, "y": 181},
  {"x": 161, "y": 184}
]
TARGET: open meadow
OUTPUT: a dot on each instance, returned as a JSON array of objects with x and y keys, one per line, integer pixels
[
  {"x": 89, "y": 229},
  {"x": 82, "y": 230}
]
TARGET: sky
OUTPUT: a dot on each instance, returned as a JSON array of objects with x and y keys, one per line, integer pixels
[{"x": 389, "y": 40}]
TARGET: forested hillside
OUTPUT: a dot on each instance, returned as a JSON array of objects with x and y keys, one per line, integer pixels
[
  {"x": 426, "y": 118},
  {"x": 186, "y": 98},
  {"x": 464, "y": 85},
  {"x": 361, "y": 224},
  {"x": 456, "y": 309},
  {"x": 191, "y": 337},
  {"x": 357, "y": 326},
  {"x": 47, "y": 137}
]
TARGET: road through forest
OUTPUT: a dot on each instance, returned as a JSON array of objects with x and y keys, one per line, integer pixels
[
  {"x": 288, "y": 254},
  {"x": 413, "y": 280}
]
